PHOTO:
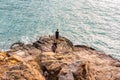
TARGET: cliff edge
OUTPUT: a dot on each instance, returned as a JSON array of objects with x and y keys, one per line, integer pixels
[{"x": 51, "y": 59}]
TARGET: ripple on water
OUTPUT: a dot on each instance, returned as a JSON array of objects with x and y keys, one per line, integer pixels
[{"x": 86, "y": 22}]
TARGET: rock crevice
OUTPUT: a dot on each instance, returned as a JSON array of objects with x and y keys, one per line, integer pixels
[{"x": 37, "y": 61}]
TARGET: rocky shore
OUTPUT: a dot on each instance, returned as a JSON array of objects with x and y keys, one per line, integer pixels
[{"x": 37, "y": 61}]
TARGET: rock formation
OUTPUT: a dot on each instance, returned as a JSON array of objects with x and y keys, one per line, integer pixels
[{"x": 37, "y": 61}]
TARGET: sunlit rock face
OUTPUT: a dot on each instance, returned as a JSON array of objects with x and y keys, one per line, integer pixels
[
  {"x": 38, "y": 61},
  {"x": 20, "y": 65}
]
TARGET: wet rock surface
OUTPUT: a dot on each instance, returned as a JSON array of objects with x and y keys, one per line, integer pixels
[{"x": 38, "y": 61}]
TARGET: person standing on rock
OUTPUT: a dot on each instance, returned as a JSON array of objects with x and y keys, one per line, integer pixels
[
  {"x": 54, "y": 47},
  {"x": 57, "y": 34}
]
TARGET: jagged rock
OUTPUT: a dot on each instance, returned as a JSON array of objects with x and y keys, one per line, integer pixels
[
  {"x": 45, "y": 44},
  {"x": 37, "y": 61},
  {"x": 15, "y": 45},
  {"x": 80, "y": 63},
  {"x": 67, "y": 76},
  {"x": 17, "y": 67}
]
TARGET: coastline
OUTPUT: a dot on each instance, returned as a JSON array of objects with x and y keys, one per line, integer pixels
[{"x": 68, "y": 62}]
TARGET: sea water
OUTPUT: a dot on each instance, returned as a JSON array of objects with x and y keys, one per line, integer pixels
[{"x": 94, "y": 23}]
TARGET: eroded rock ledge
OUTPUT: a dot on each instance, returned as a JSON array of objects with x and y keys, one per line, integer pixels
[{"x": 37, "y": 61}]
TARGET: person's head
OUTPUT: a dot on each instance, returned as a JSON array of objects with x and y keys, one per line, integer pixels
[{"x": 57, "y": 29}]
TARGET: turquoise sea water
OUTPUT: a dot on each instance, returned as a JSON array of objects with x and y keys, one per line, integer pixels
[{"x": 94, "y": 23}]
